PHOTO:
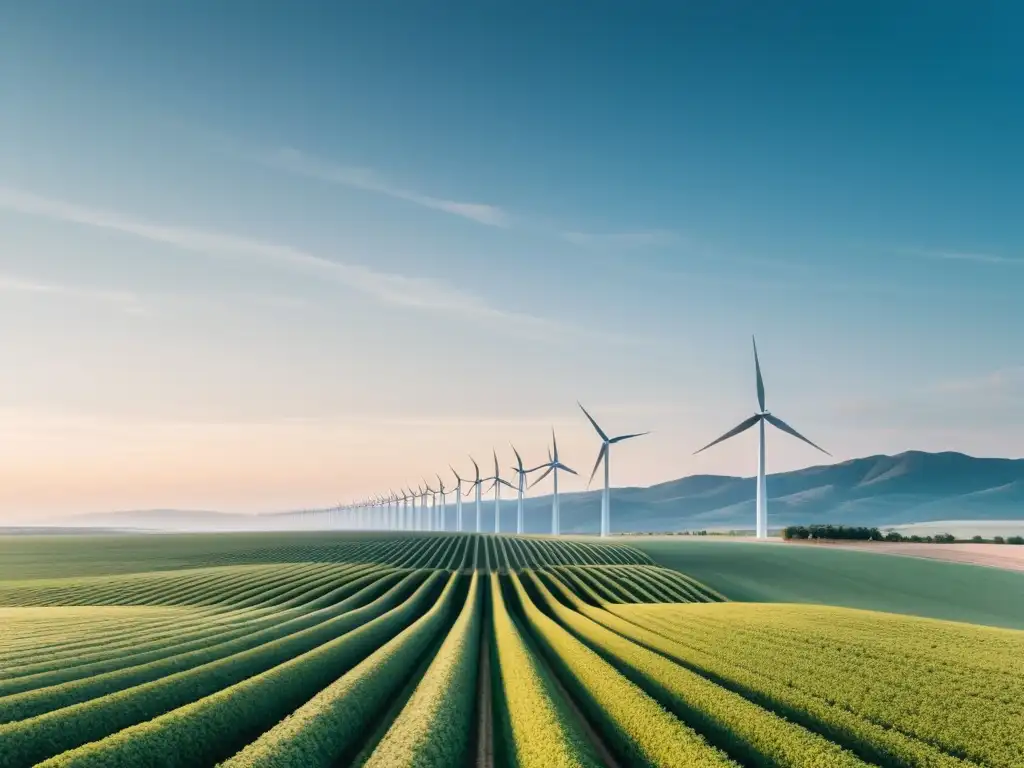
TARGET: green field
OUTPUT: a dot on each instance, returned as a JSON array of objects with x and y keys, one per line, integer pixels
[
  {"x": 786, "y": 573},
  {"x": 456, "y": 649}
]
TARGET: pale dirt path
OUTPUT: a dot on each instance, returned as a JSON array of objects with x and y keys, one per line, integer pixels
[
  {"x": 1006, "y": 556},
  {"x": 485, "y": 715}
]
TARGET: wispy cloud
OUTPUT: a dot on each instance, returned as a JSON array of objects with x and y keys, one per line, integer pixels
[
  {"x": 998, "y": 382},
  {"x": 301, "y": 164},
  {"x": 639, "y": 239},
  {"x": 128, "y": 302},
  {"x": 421, "y": 293},
  {"x": 977, "y": 257}
]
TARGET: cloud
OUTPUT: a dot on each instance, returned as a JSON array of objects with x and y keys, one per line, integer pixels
[
  {"x": 299, "y": 163},
  {"x": 639, "y": 239},
  {"x": 128, "y": 302},
  {"x": 972, "y": 256},
  {"x": 998, "y": 382},
  {"x": 421, "y": 293}
]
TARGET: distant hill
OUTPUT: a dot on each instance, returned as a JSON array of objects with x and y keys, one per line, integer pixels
[
  {"x": 163, "y": 520},
  {"x": 911, "y": 487},
  {"x": 879, "y": 490}
]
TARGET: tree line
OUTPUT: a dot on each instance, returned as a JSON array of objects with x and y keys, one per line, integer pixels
[{"x": 864, "y": 533}]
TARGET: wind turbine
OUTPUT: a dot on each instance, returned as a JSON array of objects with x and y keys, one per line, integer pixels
[
  {"x": 458, "y": 499},
  {"x": 496, "y": 484},
  {"x": 429, "y": 510},
  {"x": 553, "y": 466},
  {"x": 392, "y": 510},
  {"x": 760, "y": 418},
  {"x": 410, "y": 504},
  {"x": 522, "y": 473},
  {"x": 476, "y": 484},
  {"x": 444, "y": 504},
  {"x": 419, "y": 516},
  {"x": 604, "y": 453},
  {"x": 410, "y": 509}
]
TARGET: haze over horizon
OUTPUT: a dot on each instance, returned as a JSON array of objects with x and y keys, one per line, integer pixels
[{"x": 283, "y": 259}]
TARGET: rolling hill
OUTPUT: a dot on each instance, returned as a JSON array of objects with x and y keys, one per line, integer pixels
[{"x": 910, "y": 487}]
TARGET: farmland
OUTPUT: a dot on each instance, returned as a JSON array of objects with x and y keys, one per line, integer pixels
[
  {"x": 828, "y": 575},
  {"x": 460, "y": 649}
]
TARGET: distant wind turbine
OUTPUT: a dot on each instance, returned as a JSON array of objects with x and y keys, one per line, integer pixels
[
  {"x": 407, "y": 500},
  {"x": 760, "y": 418},
  {"x": 431, "y": 509},
  {"x": 496, "y": 483},
  {"x": 458, "y": 499},
  {"x": 441, "y": 522},
  {"x": 604, "y": 453},
  {"x": 476, "y": 484},
  {"x": 553, "y": 466},
  {"x": 521, "y": 474}
]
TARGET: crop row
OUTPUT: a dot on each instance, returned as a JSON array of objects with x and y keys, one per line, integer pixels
[
  {"x": 57, "y": 730},
  {"x": 125, "y": 645},
  {"x": 585, "y": 658},
  {"x": 867, "y": 680}
]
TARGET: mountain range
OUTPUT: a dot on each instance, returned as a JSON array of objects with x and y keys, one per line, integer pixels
[{"x": 910, "y": 487}]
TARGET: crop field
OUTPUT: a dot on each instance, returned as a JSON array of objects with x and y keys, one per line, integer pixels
[
  {"x": 468, "y": 650},
  {"x": 827, "y": 575}
]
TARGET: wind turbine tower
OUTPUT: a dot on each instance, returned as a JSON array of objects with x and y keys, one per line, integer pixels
[
  {"x": 760, "y": 418},
  {"x": 606, "y": 443},
  {"x": 553, "y": 466},
  {"x": 521, "y": 474},
  {"x": 496, "y": 483},
  {"x": 476, "y": 484},
  {"x": 441, "y": 522},
  {"x": 458, "y": 499}
]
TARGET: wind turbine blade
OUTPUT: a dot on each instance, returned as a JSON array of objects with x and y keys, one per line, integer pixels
[
  {"x": 476, "y": 467},
  {"x": 507, "y": 483},
  {"x": 742, "y": 427},
  {"x": 554, "y": 443},
  {"x": 550, "y": 467},
  {"x": 600, "y": 455},
  {"x": 455, "y": 473},
  {"x": 774, "y": 420},
  {"x": 591, "y": 420},
  {"x": 519, "y": 459},
  {"x": 496, "y": 473},
  {"x": 760, "y": 381},
  {"x": 564, "y": 468},
  {"x": 620, "y": 438}
]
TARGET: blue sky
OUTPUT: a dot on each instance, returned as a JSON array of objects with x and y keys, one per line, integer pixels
[{"x": 263, "y": 259}]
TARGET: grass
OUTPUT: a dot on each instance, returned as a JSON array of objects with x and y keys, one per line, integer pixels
[{"x": 781, "y": 573}]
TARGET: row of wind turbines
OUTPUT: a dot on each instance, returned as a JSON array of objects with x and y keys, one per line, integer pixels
[{"x": 424, "y": 508}]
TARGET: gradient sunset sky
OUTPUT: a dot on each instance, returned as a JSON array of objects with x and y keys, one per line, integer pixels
[{"x": 259, "y": 256}]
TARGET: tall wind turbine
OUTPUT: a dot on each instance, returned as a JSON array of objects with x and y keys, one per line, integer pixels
[
  {"x": 604, "y": 453},
  {"x": 458, "y": 499},
  {"x": 496, "y": 483},
  {"x": 521, "y": 474},
  {"x": 760, "y": 418},
  {"x": 476, "y": 484},
  {"x": 553, "y": 466}
]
